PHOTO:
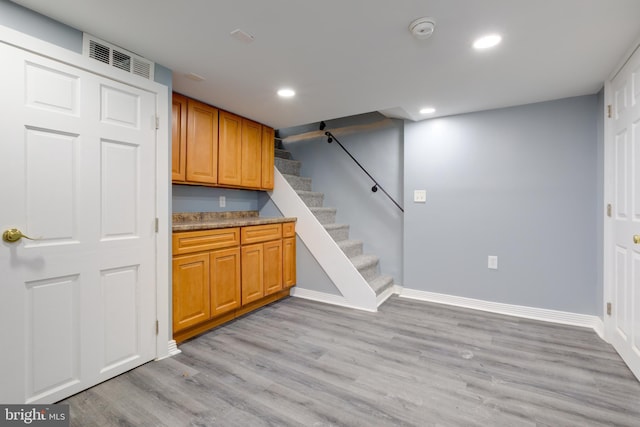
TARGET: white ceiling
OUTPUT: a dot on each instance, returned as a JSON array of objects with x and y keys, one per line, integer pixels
[{"x": 346, "y": 57}]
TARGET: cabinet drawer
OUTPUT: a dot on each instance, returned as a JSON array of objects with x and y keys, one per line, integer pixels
[
  {"x": 261, "y": 233},
  {"x": 289, "y": 229},
  {"x": 205, "y": 240}
]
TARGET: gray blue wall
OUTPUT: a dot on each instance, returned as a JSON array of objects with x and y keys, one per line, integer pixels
[
  {"x": 373, "y": 218},
  {"x": 193, "y": 198},
  {"x": 39, "y": 26},
  {"x": 520, "y": 183}
]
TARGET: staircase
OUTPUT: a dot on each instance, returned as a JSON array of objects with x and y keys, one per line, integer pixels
[{"x": 367, "y": 265}]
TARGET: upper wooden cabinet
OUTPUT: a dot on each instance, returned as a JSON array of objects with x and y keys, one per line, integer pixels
[
  {"x": 251, "y": 165},
  {"x": 240, "y": 152},
  {"x": 202, "y": 143},
  {"x": 219, "y": 148},
  {"x": 230, "y": 149},
  {"x": 268, "y": 151},
  {"x": 179, "y": 138}
]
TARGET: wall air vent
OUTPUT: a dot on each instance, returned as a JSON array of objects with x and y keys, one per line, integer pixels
[{"x": 117, "y": 57}]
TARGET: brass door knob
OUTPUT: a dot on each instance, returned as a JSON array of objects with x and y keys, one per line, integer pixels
[
  {"x": 13, "y": 235},
  {"x": 636, "y": 239}
]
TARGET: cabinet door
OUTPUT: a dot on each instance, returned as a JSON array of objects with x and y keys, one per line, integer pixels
[
  {"x": 190, "y": 290},
  {"x": 251, "y": 154},
  {"x": 230, "y": 150},
  {"x": 268, "y": 151},
  {"x": 202, "y": 143},
  {"x": 289, "y": 262},
  {"x": 252, "y": 273},
  {"x": 272, "y": 267},
  {"x": 179, "y": 138},
  {"x": 225, "y": 280}
]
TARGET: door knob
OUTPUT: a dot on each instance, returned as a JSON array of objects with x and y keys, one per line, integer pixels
[
  {"x": 636, "y": 239},
  {"x": 13, "y": 235}
]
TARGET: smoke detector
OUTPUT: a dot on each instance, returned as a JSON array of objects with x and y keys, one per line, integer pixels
[{"x": 422, "y": 28}]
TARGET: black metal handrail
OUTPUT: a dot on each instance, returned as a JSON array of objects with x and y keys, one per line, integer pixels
[{"x": 331, "y": 138}]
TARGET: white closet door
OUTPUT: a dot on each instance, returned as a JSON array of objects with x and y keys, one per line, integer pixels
[
  {"x": 77, "y": 174},
  {"x": 624, "y": 253}
]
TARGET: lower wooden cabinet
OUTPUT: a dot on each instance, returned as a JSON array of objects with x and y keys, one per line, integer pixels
[
  {"x": 223, "y": 273},
  {"x": 225, "y": 280},
  {"x": 272, "y": 267},
  {"x": 191, "y": 296},
  {"x": 288, "y": 262},
  {"x": 252, "y": 273}
]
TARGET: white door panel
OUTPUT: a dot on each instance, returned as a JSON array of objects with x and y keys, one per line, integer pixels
[
  {"x": 624, "y": 267},
  {"x": 78, "y": 175}
]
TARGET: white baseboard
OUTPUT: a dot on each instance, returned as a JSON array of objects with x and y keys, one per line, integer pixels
[
  {"x": 172, "y": 350},
  {"x": 545, "y": 315},
  {"x": 391, "y": 290},
  {"x": 323, "y": 297}
]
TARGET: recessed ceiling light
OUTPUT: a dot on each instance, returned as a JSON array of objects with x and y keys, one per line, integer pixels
[
  {"x": 427, "y": 110},
  {"x": 286, "y": 93},
  {"x": 486, "y": 42}
]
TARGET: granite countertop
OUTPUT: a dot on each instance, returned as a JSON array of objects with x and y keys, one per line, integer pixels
[{"x": 190, "y": 221}]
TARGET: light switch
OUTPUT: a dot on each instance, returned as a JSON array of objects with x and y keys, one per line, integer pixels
[
  {"x": 492, "y": 262},
  {"x": 420, "y": 196},
  {"x": 223, "y": 201}
]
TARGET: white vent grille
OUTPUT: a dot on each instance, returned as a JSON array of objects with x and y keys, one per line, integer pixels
[{"x": 117, "y": 57}]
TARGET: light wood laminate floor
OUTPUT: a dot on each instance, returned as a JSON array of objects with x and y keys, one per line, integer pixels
[{"x": 302, "y": 363}]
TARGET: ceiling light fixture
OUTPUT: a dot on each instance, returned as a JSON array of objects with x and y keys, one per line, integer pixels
[
  {"x": 195, "y": 77},
  {"x": 241, "y": 35},
  {"x": 427, "y": 110},
  {"x": 485, "y": 42},
  {"x": 422, "y": 28},
  {"x": 286, "y": 93}
]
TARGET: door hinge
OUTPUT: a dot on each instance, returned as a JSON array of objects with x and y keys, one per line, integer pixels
[
  {"x": 158, "y": 122},
  {"x": 609, "y": 111},
  {"x": 157, "y": 226},
  {"x": 608, "y": 309},
  {"x": 157, "y": 327},
  {"x": 609, "y": 210}
]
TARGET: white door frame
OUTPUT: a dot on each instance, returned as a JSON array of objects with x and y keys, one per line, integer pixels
[
  {"x": 165, "y": 345},
  {"x": 608, "y": 238}
]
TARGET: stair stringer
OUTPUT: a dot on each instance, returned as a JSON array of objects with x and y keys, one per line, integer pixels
[{"x": 355, "y": 290}]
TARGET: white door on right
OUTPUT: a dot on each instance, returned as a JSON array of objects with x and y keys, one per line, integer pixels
[{"x": 624, "y": 250}]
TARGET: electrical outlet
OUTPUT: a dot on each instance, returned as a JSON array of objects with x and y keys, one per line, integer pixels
[
  {"x": 222, "y": 201},
  {"x": 420, "y": 196},
  {"x": 492, "y": 262}
]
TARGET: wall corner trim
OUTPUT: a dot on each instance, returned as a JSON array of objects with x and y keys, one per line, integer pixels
[
  {"x": 542, "y": 314},
  {"x": 172, "y": 350}
]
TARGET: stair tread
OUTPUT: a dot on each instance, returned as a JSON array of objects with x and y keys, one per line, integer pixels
[
  {"x": 363, "y": 261},
  {"x": 351, "y": 248},
  {"x": 333, "y": 226},
  {"x": 287, "y": 175},
  {"x": 349, "y": 242},
  {"x": 380, "y": 283},
  {"x": 283, "y": 154},
  {"x": 309, "y": 193},
  {"x": 280, "y": 159},
  {"x": 323, "y": 209}
]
